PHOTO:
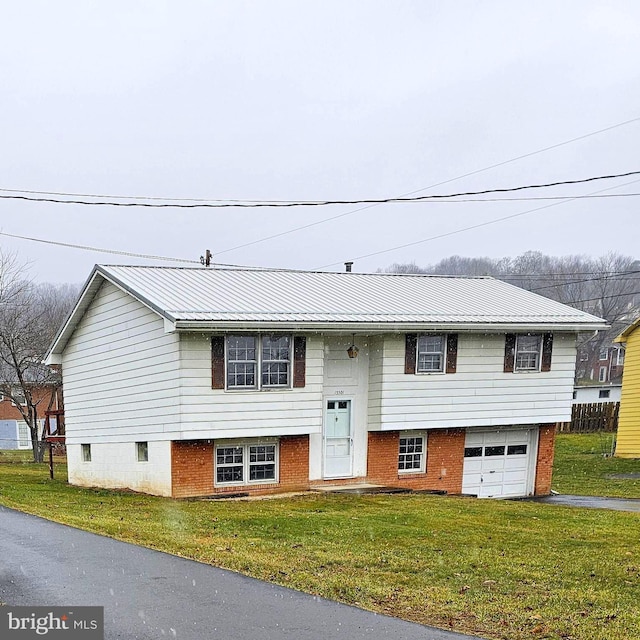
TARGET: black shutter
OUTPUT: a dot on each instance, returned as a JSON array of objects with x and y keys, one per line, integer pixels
[
  {"x": 509, "y": 352},
  {"x": 411, "y": 348},
  {"x": 547, "y": 349},
  {"x": 217, "y": 362},
  {"x": 452, "y": 352},
  {"x": 299, "y": 361}
]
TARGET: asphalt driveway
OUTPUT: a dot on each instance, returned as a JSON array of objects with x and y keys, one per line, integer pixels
[
  {"x": 148, "y": 595},
  {"x": 593, "y": 502}
]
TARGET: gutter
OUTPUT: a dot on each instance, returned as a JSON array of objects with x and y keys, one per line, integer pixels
[{"x": 376, "y": 327}]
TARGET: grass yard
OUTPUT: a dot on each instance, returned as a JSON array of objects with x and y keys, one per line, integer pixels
[
  {"x": 501, "y": 569},
  {"x": 582, "y": 464}
]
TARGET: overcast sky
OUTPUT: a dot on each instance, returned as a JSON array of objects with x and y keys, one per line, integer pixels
[{"x": 315, "y": 100}]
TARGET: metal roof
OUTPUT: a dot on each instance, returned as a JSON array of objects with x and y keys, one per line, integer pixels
[
  {"x": 200, "y": 294},
  {"x": 201, "y": 297}
]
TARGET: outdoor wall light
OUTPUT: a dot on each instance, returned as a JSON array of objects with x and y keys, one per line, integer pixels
[{"x": 352, "y": 351}]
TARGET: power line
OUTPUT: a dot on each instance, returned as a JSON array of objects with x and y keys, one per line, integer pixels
[
  {"x": 117, "y": 252},
  {"x": 322, "y": 203},
  {"x": 433, "y": 186},
  {"x": 617, "y": 295},
  {"x": 469, "y": 228},
  {"x": 602, "y": 277}
]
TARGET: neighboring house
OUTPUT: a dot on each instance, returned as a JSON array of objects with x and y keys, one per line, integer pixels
[
  {"x": 14, "y": 431},
  {"x": 590, "y": 393},
  {"x": 602, "y": 366},
  {"x": 628, "y": 438},
  {"x": 195, "y": 381}
]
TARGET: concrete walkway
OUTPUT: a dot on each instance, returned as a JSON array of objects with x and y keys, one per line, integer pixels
[
  {"x": 593, "y": 502},
  {"x": 148, "y": 595}
]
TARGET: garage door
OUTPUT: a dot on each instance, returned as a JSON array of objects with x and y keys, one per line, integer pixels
[{"x": 499, "y": 464}]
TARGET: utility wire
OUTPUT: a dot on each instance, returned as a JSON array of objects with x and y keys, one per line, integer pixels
[
  {"x": 322, "y": 203},
  {"x": 117, "y": 252},
  {"x": 433, "y": 186},
  {"x": 97, "y": 249},
  {"x": 617, "y": 295},
  {"x": 569, "y": 282},
  {"x": 469, "y": 228},
  {"x": 466, "y": 175}
]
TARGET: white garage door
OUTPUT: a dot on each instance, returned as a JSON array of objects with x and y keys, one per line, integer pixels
[{"x": 499, "y": 464}]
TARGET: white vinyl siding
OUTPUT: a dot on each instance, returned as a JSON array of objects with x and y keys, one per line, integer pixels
[
  {"x": 216, "y": 413},
  {"x": 480, "y": 394},
  {"x": 120, "y": 373}
]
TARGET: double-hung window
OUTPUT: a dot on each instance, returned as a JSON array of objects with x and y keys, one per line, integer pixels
[
  {"x": 528, "y": 351},
  {"x": 246, "y": 463},
  {"x": 257, "y": 362},
  {"x": 411, "y": 453},
  {"x": 431, "y": 353}
]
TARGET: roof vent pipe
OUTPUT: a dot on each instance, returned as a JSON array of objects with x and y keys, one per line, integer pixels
[{"x": 347, "y": 266}]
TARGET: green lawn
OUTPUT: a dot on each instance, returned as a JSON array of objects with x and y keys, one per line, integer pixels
[
  {"x": 583, "y": 462},
  {"x": 501, "y": 569}
]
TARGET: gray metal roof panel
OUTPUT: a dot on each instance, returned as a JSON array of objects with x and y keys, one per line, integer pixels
[{"x": 201, "y": 294}]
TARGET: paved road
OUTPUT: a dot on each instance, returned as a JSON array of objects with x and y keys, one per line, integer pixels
[
  {"x": 593, "y": 502},
  {"x": 148, "y": 595}
]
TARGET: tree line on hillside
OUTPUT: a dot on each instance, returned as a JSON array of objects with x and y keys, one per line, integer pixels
[{"x": 607, "y": 286}]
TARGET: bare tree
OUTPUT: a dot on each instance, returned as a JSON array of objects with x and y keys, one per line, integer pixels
[{"x": 30, "y": 315}]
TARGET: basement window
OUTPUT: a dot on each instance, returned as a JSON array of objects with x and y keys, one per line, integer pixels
[
  {"x": 246, "y": 463},
  {"x": 85, "y": 450},
  {"x": 142, "y": 451}
]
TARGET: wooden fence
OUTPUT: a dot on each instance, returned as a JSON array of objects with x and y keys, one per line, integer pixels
[{"x": 592, "y": 417}]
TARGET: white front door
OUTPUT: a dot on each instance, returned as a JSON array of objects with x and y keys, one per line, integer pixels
[{"x": 338, "y": 440}]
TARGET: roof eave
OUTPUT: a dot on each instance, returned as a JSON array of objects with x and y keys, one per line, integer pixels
[
  {"x": 391, "y": 327},
  {"x": 627, "y": 332}
]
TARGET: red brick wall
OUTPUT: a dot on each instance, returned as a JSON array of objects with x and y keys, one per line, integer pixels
[
  {"x": 294, "y": 463},
  {"x": 41, "y": 395},
  {"x": 544, "y": 463},
  {"x": 192, "y": 469},
  {"x": 445, "y": 457}
]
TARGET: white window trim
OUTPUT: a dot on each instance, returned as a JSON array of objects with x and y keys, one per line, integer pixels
[
  {"x": 258, "y": 386},
  {"x": 82, "y": 452},
  {"x": 442, "y": 371},
  {"x": 606, "y": 355},
  {"x": 602, "y": 378},
  {"x": 516, "y": 369},
  {"x": 423, "y": 461},
  {"x": 246, "y": 444},
  {"x": 620, "y": 358},
  {"x": 23, "y": 443}
]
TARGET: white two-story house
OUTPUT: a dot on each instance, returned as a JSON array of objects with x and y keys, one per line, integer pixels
[{"x": 195, "y": 381}]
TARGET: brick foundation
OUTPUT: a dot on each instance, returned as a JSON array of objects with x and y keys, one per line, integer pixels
[
  {"x": 192, "y": 469},
  {"x": 544, "y": 463},
  {"x": 445, "y": 457}
]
